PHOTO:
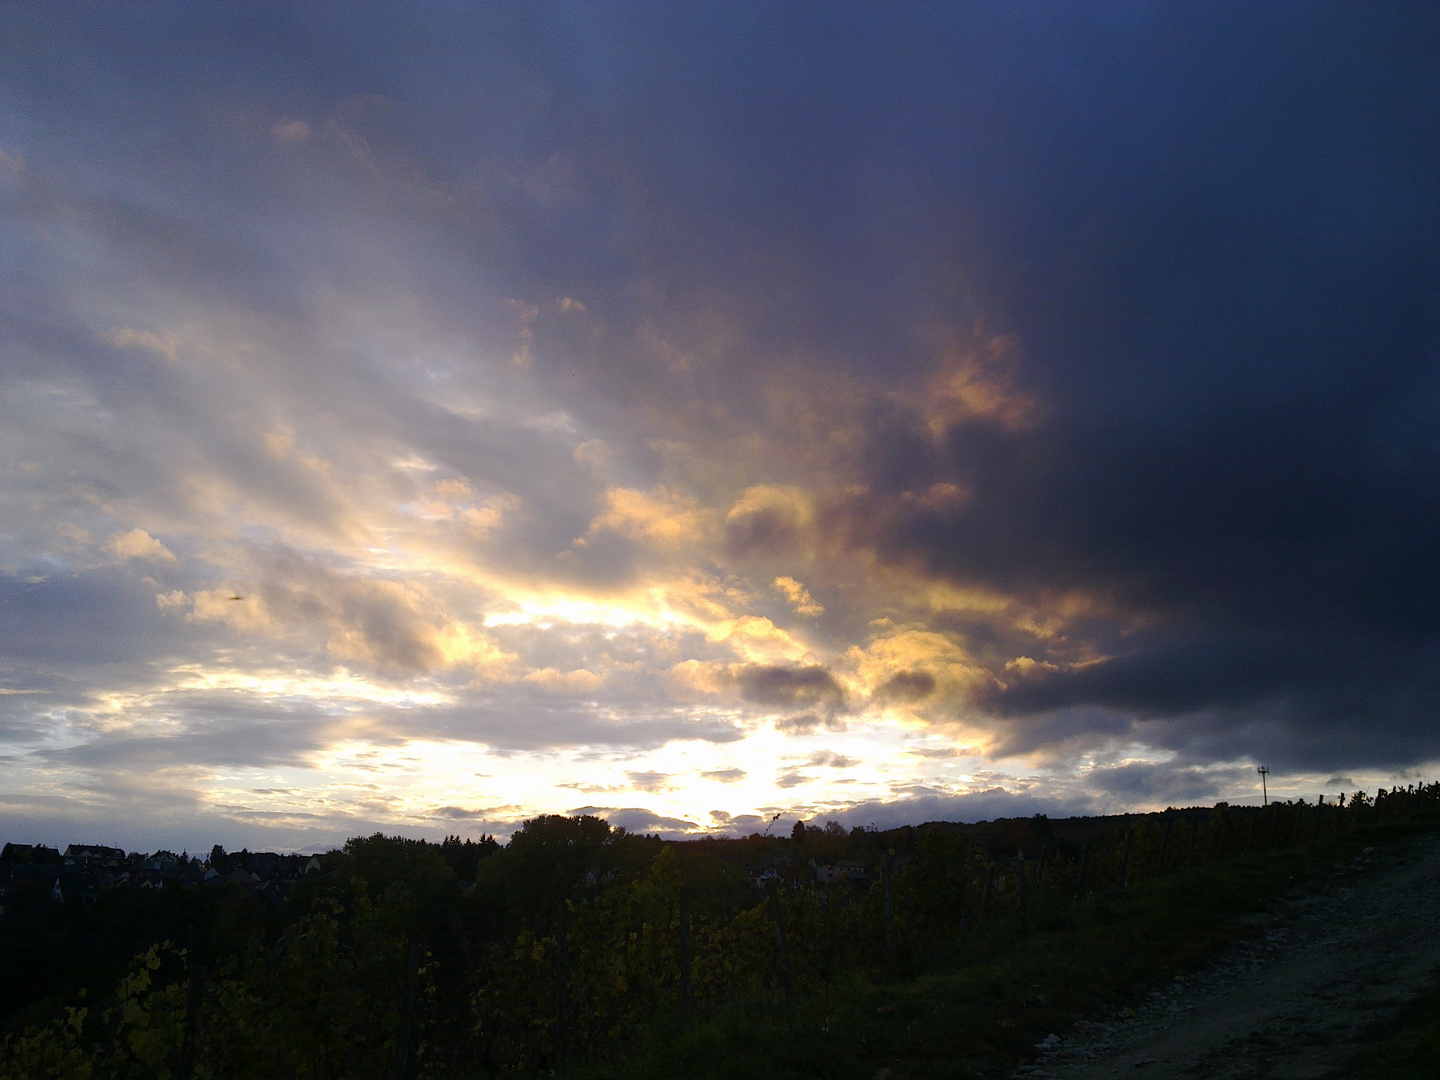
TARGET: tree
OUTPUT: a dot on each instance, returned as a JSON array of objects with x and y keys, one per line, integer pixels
[{"x": 464, "y": 857}]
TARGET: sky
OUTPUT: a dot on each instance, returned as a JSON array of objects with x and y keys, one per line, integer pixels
[{"x": 419, "y": 418}]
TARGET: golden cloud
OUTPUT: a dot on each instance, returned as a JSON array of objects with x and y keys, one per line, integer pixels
[
  {"x": 661, "y": 518},
  {"x": 579, "y": 681},
  {"x": 388, "y": 626},
  {"x": 757, "y": 640},
  {"x": 247, "y": 614},
  {"x": 912, "y": 665},
  {"x": 770, "y": 519},
  {"x": 799, "y": 597},
  {"x": 976, "y": 380},
  {"x": 139, "y": 544}
]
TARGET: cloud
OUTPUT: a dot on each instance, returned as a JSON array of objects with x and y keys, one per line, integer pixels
[
  {"x": 967, "y": 808},
  {"x": 139, "y": 544},
  {"x": 637, "y": 820},
  {"x": 660, "y": 518},
  {"x": 62, "y": 624},
  {"x": 566, "y": 682},
  {"x": 288, "y": 130},
  {"x": 390, "y": 626},
  {"x": 798, "y": 687},
  {"x": 907, "y": 686},
  {"x": 166, "y": 344},
  {"x": 481, "y": 814},
  {"x": 769, "y": 519},
  {"x": 527, "y": 314},
  {"x": 647, "y": 781},
  {"x": 799, "y": 597},
  {"x": 1164, "y": 783},
  {"x": 725, "y": 776},
  {"x": 807, "y": 724}
]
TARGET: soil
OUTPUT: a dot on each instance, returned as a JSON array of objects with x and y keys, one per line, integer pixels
[{"x": 1297, "y": 1002}]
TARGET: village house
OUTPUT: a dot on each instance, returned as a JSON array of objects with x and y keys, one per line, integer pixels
[
  {"x": 34, "y": 873},
  {"x": 28, "y": 853},
  {"x": 828, "y": 870},
  {"x": 94, "y": 857}
]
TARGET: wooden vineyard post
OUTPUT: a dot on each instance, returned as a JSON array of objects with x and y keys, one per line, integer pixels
[
  {"x": 964, "y": 894},
  {"x": 779, "y": 923},
  {"x": 1295, "y": 832},
  {"x": 985, "y": 895},
  {"x": 562, "y": 976},
  {"x": 193, "y": 988},
  {"x": 828, "y": 932},
  {"x": 687, "y": 988},
  {"x": 1319, "y": 809},
  {"x": 889, "y": 873},
  {"x": 1023, "y": 890},
  {"x": 1080, "y": 874},
  {"x": 407, "y": 1015}
]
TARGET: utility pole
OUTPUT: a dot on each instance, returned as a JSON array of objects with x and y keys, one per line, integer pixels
[{"x": 1264, "y": 791}]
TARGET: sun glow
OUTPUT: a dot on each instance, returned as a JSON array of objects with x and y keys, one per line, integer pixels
[{"x": 343, "y": 687}]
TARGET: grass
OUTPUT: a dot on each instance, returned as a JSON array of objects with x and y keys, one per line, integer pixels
[
  {"x": 1407, "y": 1048},
  {"x": 979, "y": 1014}
]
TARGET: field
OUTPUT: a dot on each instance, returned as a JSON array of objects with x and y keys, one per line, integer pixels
[{"x": 1118, "y": 974}]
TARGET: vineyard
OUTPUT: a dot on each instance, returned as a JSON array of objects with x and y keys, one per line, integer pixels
[{"x": 580, "y": 949}]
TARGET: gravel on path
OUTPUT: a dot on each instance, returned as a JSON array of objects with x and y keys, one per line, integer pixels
[{"x": 1294, "y": 1003}]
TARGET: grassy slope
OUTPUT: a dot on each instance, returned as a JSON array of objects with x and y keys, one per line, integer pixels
[
  {"x": 1406, "y": 1049},
  {"x": 982, "y": 1016}
]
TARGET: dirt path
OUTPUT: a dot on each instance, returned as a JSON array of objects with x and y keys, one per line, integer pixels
[{"x": 1293, "y": 1004}]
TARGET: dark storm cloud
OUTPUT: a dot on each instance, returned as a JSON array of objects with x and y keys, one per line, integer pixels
[
  {"x": 790, "y": 687},
  {"x": 1167, "y": 784},
  {"x": 480, "y": 815},
  {"x": 979, "y": 806},
  {"x": 1259, "y": 556},
  {"x": 806, "y": 723},
  {"x": 1103, "y": 789},
  {"x": 907, "y": 686},
  {"x": 1227, "y": 313},
  {"x": 224, "y": 734},
  {"x": 639, "y": 820}
]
